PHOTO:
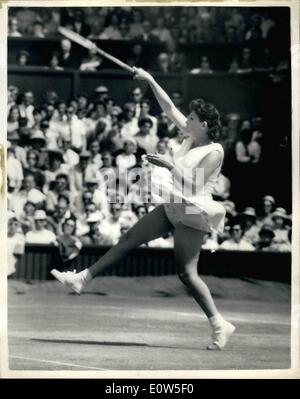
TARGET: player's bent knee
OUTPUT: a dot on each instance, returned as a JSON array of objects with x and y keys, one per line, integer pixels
[{"x": 186, "y": 277}]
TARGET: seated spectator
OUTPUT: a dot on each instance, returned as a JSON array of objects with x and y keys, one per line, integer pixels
[
  {"x": 23, "y": 58},
  {"x": 136, "y": 57},
  {"x": 26, "y": 107},
  {"x": 145, "y": 113},
  {"x": 13, "y": 28},
  {"x": 245, "y": 65},
  {"x": 54, "y": 62},
  {"x": 27, "y": 217},
  {"x": 37, "y": 143},
  {"x": 94, "y": 236},
  {"x": 237, "y": 21},
  {"x": 84, "y": 171},
  {"x": 130, "y": 127},
  {"x": 62, "y": 212},
  {"x": 59, "y": 187},
  {"x": 15, "y": 245},
  {"x": 108, "y": 171},
  {"x": 41, "y": 235},
  {"x": 112, "y": 32},
  {"x": 266, "y": 236},
  {"x": 147, "y": 36},
  {"x": 98, "y": 196},
  {"x": 162, "y": 32},
  {"x": 163, "y": 63},
  {"x": 32, "y": 159},
  {"x": 53, "y": 22},
  {"x": 268, "y": 203},
  {"x": 127, "y": 158},
  {"x": 38, "y": 29},
  {"x": 124, "y": 30},
  {"x": 95, "y": 156},
  {"x": 29, "y": 192},
  {"x": 51, "y": 136},
  {"x": 135, "y": 98},
  {"x": 163, "y": 149},
  {"x": 175, "y": 142},
  {"x": 66, "y": 58},
  {"x": 79, "y": 25},
  {"x": 250, "y": 227},
  {"x": 14, "y": 169},
  {"x": 92, "y": 63},
  {"x": 280, "y": 220},
  {"x": 69, "y": 245},
  {"x": 144, "y": 139},
  {"x": 73, "y": 129},
  {"x": 13, "y": 119},
  {"x": 56, "y": 166},
  {"x": 70, "y": 157},
  {"x": 140, "y": 211},
  {"x": 204, "y": 67},
  {"x": 209, "y": 243},
  {"x": 255, "y": 32},
  {"x": 177, "y": 59},
  {"x": 232, "y": 35},
  {"x": 112, "y": 226},
  {"x": 136, "y": 26},
  {"x": 236, "y": 242}
]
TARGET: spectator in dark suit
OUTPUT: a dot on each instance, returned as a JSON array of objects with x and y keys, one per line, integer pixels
[
  {"x": 147, "y": 36},
  {"x": 79, "y": 25},
  {"x": 66, "y": 58}
]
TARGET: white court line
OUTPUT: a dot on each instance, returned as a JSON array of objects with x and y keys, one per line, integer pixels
[{"x": 56, "y": 362}]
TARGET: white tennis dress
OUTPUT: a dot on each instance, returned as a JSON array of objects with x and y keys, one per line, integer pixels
[{"x": 198, "y": 211}]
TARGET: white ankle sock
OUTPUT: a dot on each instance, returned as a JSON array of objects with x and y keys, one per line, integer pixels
[
  {"x": 86, "y": 275},
  {"x": 216, "y": 321}
]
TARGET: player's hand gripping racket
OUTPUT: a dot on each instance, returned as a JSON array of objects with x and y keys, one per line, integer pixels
[{"x": 82, "y": 41}]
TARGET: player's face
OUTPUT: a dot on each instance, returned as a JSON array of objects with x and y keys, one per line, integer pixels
[{"x": 194, "y": 126}]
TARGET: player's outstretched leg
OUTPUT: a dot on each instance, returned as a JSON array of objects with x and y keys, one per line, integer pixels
[
  {"x": 153, "y": 225},
  {"x": 187, "y": 242}
]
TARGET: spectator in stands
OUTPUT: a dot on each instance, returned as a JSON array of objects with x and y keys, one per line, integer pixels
[
  {"x": 23, "y": 58},
  {"x": 237, "y": 21},
  {"x": 108, "y": 170},
  {"x": 266, "y": 236},
  {"x": 94, "y": 236},
  {"x": 29, "y": 192},
  {"x": 15, "y": 244},
  {"x": 221, "y": 191},
  {"x": 54, "y": 62},
  {"x": 41, "y": 234},
  {"x": 95, "y": 156},
  {"x": 137, "y": 56},
  {"x": 236, "y": 242},
  {"x": 130, "y": 127},
  {"x": 175, "y": 142},
  {"x": 92, "y": 63},
  {"x": 13, "y": 28},
  {"x": 79, "y": 24},
  {"x": 13, "y": 119},
  {"x": 33, "y": 167},
  {"x": 162, "y": 32},
  {"x": 163, "y": 63},
  {"x": 72, "y": 129},
  {"x": 124, "y": 30},
  {"x": 145, "y": 113},
  {"x": 245, "y": 65},
  {"x": 61, "y": 213},
  {"x": 70, "y": 154},
  {"x": 250, "y": 226},
  {"x": 56, "y": 166},
  {"x": 147, "y": 36},
  {"x": 98, "y": 196},
  {"x": 112, "y": 30},
  {"x": 255, "y": 32},
  {"x": 268, "y": 203},
  {"x": 26, "y": 107},
  {"x": 53, "y": 22},
  {"x": 177, "y": 59},
  {"x": 38, "y": 29},
  {"x": 59, "y": 187},
  {"x": 27, "y": 217},
  {"x": 51, "y": 136},
  {"x": 26, "y": 17},
  {"x": 66, "y": 58},
  {"x": 136, "y": 26},
  {"x": 14, "y": 169},
  {"x": 231, "y": 35},
  {"x": 144, "y": 139},
  {"x": 136, "y": 96},
  {"x": 280, "y": 220},
  {"x": 127, "y": 158},
  {"x": 19, "y": 152},
  {"x": 204, "y": 67},
  {"x": 69, "y": 245},
  {"x": 112, "y": 226},
  {"x": 140, "y": 211}
]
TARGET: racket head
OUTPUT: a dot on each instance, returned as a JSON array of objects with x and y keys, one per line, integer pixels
[{"x": 75, "y": 37}]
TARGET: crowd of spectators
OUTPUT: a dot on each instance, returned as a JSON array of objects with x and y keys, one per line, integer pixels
[
  {"x": 255, "y": 31},
  {"x": 72, "y": 173}
]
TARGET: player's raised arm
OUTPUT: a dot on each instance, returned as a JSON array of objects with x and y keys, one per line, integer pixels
[{"x": 163, "y": 99}]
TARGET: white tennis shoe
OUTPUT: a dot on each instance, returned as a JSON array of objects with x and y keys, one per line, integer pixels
[
  {"x": 221, "y": 335},
  {"x": 72, "y": 280}
]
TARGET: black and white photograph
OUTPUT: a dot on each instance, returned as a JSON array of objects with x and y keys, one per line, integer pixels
[{"x": 150, "y": 179}]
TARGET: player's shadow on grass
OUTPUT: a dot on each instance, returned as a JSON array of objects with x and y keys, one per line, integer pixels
[{"x": 106, "y": 343}]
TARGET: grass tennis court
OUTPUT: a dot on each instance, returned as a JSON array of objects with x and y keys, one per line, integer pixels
[{"x": 145, "y": 323}]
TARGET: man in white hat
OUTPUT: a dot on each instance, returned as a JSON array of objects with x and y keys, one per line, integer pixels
[
  {"x": 251, "y": 229},
  {"x": 94, "y": 236},
  {"x": 268, "y": 203},
  {"x": 280, "y": 219},
  {"x": 41, "y": 235}
]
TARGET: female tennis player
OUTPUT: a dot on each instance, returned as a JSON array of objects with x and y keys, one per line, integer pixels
[{"x": 190, "y": 219}]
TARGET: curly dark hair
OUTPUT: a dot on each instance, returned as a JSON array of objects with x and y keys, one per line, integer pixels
[{"x": 207, "y": 112}]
